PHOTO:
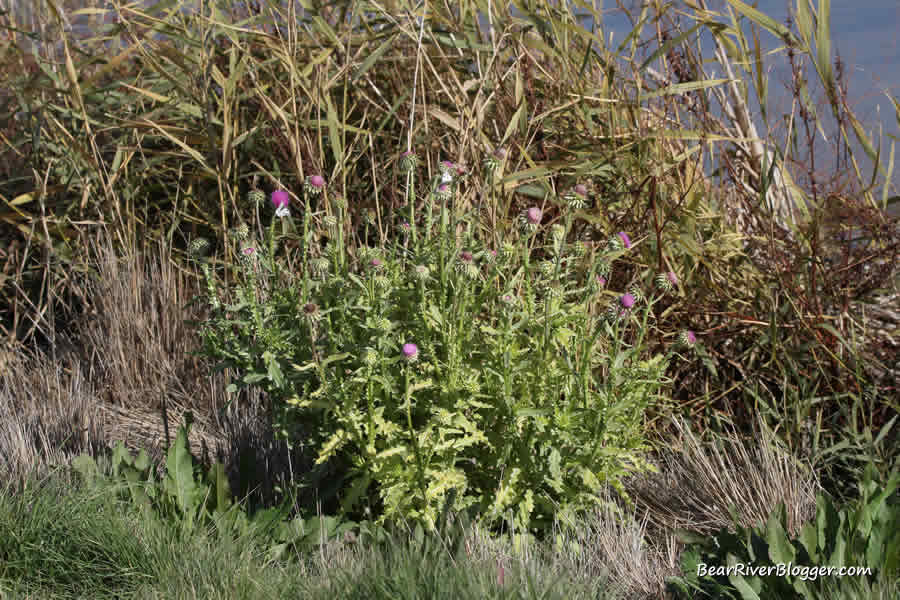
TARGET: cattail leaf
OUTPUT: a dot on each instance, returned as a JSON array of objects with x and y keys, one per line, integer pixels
[
  {"x": 804, "y": 22},
  {"x": 445, "y": 119},
  {"x": 516, "y": 118},
  {"x": 823, "y": 49},
  {"x": 373, "y": 58},
  {"x": 337, "y": 147},
  {"x": 323, "y": 26},
  {"x": 664, "y": 49},
  {"x": 764, "y": 21},
  {"x": 683, "y": 88}
]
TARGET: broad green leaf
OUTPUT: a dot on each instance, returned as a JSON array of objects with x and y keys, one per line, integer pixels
[
  {"x": 180, "y": 475},
  {"x": 780, "y": 548},
  {"x": 737, "y": 580}
]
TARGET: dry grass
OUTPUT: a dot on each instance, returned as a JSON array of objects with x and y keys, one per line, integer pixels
[
  {"x": 701, "y": 478},
  {"x": 128, "y": 376}
]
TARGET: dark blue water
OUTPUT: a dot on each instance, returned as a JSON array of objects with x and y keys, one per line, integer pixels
[{"x": 864, "y": 34}]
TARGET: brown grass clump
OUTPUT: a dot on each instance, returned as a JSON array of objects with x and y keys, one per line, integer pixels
[
  {"x": 700, "y": 479},
  {"x": 128, "y": 375}
]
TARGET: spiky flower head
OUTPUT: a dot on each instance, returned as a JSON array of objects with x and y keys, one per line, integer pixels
[
  {"x": 687, "y": 338},
  {"x": 408, "y": 161},
  {"x": 249, "y": 253},
  {"x": 314, "y": 184},
  {"x": 384, "y": 324},
  {"x": 382, "y": 282},
  {"x": 376, "y": 263},
  {"x": 333, "y": 250},
  {"x": 601, "y": 267},
  {"x": 256, "y": 197},
  {"x": 311, "y": 311},
  {"x": 320, "y": 266},
  {"x": 554, "y": 289},
  {"x": 367, "y": 253},
  {"x": 421, "y": 272},
  {"x": 241, "y": 232},
  {"x": 636, "y": 294},
  {"x": 627, "y": 301},
  {"x": 493, "y": 160},
  {"x": 447, "y": 168},
  {"x": 330, "y": 221},
  {"x": 281, "y": 199},
  {"x": 466, "y": 265},
  {"x": 531, "y": 219},
  {"x": 371, "y": 218},
  {"x": 596, "y": 284},
  {"x": 369, "y": 356},
  {"x": 619, "y": 242},
  {"x": 508, "y": 249},
  {"x": 199, "y": 248},
  {"x": 547, "y": 268},
  {"x": 443, "y": 192},
  {"x": 577, "y": 197},
  {"x": 666, "y": 281},
  {"x": 410, "y": 352},
  {"x": 508, "y": 299},
  {"x": 613, "y": 312},
  {"x": 340, "y": 203},
  {"x": 489, "y": 256}
]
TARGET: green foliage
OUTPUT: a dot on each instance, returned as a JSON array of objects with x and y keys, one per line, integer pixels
[
  {"x": 188, "y": 499},
  {"x": 524, "y": 396},
  {"x": 863, "y": 535}
]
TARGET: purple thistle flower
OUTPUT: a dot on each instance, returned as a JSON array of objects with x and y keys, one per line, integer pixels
[
  {"x": 447, "y": 169},
  {"x": 466, "y": 256},
  {"x": 410, "y": 351},
  {"x": 375, "y": 262},
  {"x": 627, "y": 300},
  {"x": 317, "y": 181},
  {"x": 443, "y": 192},
  {"x": 625, "y": 239},
  {"x": 581, "y": 189},
  {"x": 673, "y": 279},
  {"x": 534, "y": 215},
  {"x": 280, "y": 198},
  {"x": 687, "y": 339},
  {"x": 601, "y": 281},
  {"x": 314, "y": 184}
]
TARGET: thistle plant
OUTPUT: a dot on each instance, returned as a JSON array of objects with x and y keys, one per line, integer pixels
[{"x": 411, "y": 384}]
